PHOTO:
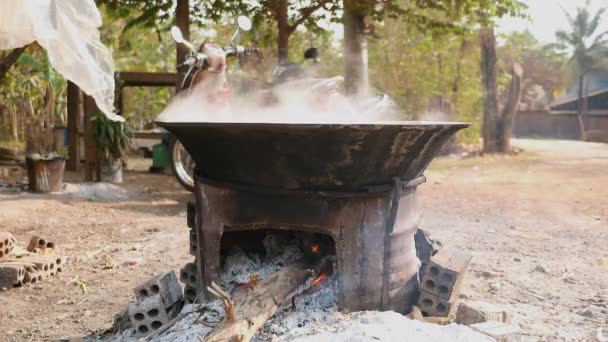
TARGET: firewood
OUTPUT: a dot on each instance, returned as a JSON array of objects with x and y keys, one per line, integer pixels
[{"x": 252, "y": 309}]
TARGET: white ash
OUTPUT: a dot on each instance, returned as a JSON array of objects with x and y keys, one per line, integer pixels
[
  {"x": 379, "y": 326},
  {"x": 310, "y": 308},
  {"x": 189, "y": 328},
  {"x": 239, "y": 266}
]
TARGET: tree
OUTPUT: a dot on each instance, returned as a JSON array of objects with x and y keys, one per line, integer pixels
[
  {"x": 589, "y": 49},
  {"x": 542, "y": 63},
  {"x": 437, "y": 16}
]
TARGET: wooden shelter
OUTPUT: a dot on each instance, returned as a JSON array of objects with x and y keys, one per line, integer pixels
[{"x": 81, "y": 107}]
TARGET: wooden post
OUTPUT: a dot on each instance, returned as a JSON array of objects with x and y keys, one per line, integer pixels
[
  {"x": 92, "y": 171},
  {"x": 182, "y": 14},
  {"x": 74, "y": 109}
]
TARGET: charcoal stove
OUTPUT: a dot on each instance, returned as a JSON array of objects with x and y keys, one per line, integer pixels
[{"x": 353, "y": 182}]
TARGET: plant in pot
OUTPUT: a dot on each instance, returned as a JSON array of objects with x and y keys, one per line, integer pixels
[
  {"x": 43, "y": 107},
  {"x": 113, "y": 140}
]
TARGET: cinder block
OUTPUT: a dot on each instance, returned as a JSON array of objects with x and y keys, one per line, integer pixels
[
  {"x": 444, "y": 273},
  {"x": 188, "y": 275},
  {"x": 191, "y": 214},
  {"x": 48, "y": 265},
  {"x": 148, "y": 315},
  {"x": 7, "y": 243},
  {"x": 165, "y": 285},
  {"x": 32, "y": 273},
  {"x": 479, "y": 312},
  {"x": 190, "y": 293},
  {"x": 38, "y": 243},
  {"x": 193, "y": 242},
  {"x": 11, "y": 275},
  {"x": 501, "y": 332},
  {"x": 433, "y": 306}
]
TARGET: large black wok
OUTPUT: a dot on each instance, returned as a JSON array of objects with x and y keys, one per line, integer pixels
[{"x": 345, "y": 157}]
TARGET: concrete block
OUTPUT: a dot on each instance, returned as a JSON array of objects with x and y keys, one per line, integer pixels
[
  {"x": 188, "y": 275},
  {"x": 444, "y": 273},
  {"x": 479, "y": 312},
  {"x": 501, "y": 332},
  {"x": 191, "y": 214},
  {"x": 7, "y": 243},
  {"x": 148, "y": 315},
  {"x": 48, "y": 265},
  {"x": 32, "y": 274},
  {"x": 190, "y": 293},
  {"x": 433, "y": 306},
  {"x": 11, "y": 275},
  {"x": 165, "y": 285},
  {"x": 193, "y": 242},
  {"x": 38, "y": 243}
]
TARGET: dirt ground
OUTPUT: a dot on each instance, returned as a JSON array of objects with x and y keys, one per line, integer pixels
[{"x": 536, "y": 224}]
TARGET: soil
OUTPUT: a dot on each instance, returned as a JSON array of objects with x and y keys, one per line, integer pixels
[{"x": 536, "y": 225}]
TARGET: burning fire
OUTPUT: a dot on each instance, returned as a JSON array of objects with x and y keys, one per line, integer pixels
[
  {"x": 315, "y": 248},
  {"x": 322, "y": 276}
]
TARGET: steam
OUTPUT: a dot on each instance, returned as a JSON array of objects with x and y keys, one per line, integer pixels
[{"x": 302, "y": 101}]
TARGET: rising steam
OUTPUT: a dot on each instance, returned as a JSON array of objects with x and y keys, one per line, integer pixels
[{"x": 302, "y": 101}]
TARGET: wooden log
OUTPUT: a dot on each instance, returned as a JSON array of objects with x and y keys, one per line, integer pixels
[{"x": 251, "y": 310}]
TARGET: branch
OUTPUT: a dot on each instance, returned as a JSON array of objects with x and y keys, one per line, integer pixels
[
  {"x": 267, "y": 6},
  {"x": 10, "y": 59},
  {"x": 306, "y": 13}
]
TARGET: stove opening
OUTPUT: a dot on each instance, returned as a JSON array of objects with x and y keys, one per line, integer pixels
[{"x": 247, "y": 256}]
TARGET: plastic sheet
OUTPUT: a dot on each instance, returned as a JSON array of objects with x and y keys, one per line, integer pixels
[{"x": 68, "y": 30}]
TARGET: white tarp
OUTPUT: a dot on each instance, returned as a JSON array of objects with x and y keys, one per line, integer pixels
[{"x": 68, "y": 30}]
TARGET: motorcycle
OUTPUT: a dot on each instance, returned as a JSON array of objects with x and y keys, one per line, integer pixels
[
  {"x": 207, "y": 64},
  {"x": 207, "y": 67}
]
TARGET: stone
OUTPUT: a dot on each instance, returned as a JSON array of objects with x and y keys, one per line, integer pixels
[
  {"x": 586, "y": 313},
  {"x": 479, "y": 312},
  {"x": 444, "y": 273},
  {"x": 501, "y": 332},
  {"x": 425, "y": 247},
  {"x": 11, "y": 275},
  {"x": 165, "y": 285},
  {"x": 148, "y": 315}
]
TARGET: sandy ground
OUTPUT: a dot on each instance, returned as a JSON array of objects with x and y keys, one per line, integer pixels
[{"x": 535, "y": 223}]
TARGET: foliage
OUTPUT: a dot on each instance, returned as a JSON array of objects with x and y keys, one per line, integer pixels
[
  {"x": 543, "y": 68},
  {"x": 113, "y": 137},
  {"x": 32, "y": 102},
  {"x": 589, "y": 47}
]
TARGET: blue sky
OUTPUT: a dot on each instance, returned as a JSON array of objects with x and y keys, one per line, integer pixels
[{"x": 547, "y": 17}]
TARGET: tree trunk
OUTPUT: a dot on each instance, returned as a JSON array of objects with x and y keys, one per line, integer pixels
[
  {"x": 505, "y": 129},
  {"x": 182, "y": 15},
  {"x": 7, "y": 62},
  {"x": 490, "y": 102},
  {"x": 284, "y": 31},
  {"x": 582, "y": 107},
  {"x": 356, "y": 79}
]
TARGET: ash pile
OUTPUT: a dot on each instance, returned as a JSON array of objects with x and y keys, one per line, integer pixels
[
  {"x": 283, "y": 294},
  {"x": 21, "y": 267}
]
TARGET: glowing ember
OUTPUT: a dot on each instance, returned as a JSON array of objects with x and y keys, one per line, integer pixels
[
  {"x": 315, "y": 248},
  {"x": 322, "y": 276}
]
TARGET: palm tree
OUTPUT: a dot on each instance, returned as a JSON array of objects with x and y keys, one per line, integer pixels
[{"x": 589, "y": 51}]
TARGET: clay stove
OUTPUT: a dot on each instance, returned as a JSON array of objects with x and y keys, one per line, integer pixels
[{"x": 353, "y": 182}]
